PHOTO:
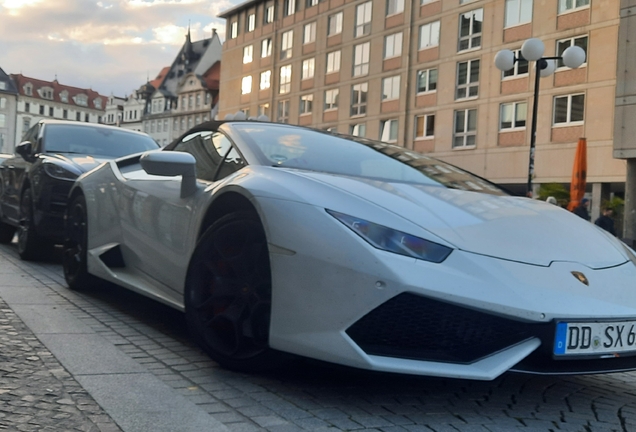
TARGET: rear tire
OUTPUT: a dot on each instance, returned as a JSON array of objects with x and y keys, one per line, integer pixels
[
  {"x": 74, "y": 258},
  {"x": 228, "y": 295},
  {"x": 30, "y": 245}
]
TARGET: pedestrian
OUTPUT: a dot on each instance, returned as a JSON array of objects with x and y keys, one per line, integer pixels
[
  {"x": 606, "y": 221},
  {"x": 581, "y": 210}
]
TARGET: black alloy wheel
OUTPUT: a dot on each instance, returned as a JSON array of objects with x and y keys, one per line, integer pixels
[
  {"x": 30, "y": 245},
  {"x": 76, "y": 245},
  {"x": 228, "y": 294}
]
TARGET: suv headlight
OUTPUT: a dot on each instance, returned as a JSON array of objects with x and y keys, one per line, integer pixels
[
  {"x": 395, "y": 241},
  {"x": 59, "y": 172}
]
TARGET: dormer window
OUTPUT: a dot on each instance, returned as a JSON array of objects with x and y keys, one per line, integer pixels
[
  {"x": 64, "y": 96},
  {"x": 28, "y": 90},
  {"x": 81, "y": 99},
  {"x": 98, "y": 103},
  {"x": 3, "y": 85}
]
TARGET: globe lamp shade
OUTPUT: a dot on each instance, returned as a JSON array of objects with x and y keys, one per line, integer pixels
[
  {"x": 573, "y": 57},
  {"x": 505, "y": 60},
  {"x": 549, "y": 67},
  {"x": 532, "y": 49}
]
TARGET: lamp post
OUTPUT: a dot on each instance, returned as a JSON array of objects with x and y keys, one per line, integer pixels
[{"x": 532, "y": 50}]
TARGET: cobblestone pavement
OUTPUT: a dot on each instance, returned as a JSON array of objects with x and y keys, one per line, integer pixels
[
  {"x": 312, "y": 396},
  {"x": 36, "y": 392}
]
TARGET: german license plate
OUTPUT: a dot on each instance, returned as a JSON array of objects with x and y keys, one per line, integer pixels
[{"x": 595, "y": 338}]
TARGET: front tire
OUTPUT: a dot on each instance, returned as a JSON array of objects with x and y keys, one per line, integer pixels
[
  {"x": 228, "y": 294},
  {"x": 74, "y": 258},
  {"x": 30, "y": 245}
]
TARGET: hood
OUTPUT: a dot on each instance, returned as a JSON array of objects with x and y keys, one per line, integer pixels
[
  {"x": 81, "y": 162},
  {"x": 510, "y": 228}
]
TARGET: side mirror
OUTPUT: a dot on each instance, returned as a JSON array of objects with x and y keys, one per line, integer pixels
[
  {"x": 24, "y": 149},
  {"x": 169, "y": 163}
]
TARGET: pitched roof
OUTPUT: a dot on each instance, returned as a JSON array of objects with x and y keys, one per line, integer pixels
[
  {"x": 21, "y": 80},
  {"x": 160, "y": 77}
]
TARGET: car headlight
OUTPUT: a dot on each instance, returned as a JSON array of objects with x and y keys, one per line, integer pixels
[
  {"x": 395, "y": 241},
  {"x": 59, "y": 172}
]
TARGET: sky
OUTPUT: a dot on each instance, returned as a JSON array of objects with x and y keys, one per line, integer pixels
[{"x": 110, "y": 46}]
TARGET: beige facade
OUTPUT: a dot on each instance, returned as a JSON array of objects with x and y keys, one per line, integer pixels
[{"x": 572, "y": 103}]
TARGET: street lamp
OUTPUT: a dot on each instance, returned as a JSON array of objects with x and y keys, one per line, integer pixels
[{"x": 532, "y": 50}]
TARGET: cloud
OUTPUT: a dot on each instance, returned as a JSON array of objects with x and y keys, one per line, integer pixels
[{"x": 107, "y": 44}]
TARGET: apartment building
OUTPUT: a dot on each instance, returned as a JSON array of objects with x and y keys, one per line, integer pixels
[{"x": 421, "y": 73}]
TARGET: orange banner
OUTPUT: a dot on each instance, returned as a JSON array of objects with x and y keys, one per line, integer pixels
[{"x": 579, "y": 174}]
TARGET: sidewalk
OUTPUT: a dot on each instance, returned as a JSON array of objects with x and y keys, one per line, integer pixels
[{"x": 59, "y": 374}]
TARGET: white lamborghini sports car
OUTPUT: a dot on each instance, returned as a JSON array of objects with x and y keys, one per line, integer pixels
[{"x": 277, "y": 240}]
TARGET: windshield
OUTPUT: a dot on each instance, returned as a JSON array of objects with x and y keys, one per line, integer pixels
[
  {"x": 291, "y": 147},
  {"x": 95, "y": 141}
]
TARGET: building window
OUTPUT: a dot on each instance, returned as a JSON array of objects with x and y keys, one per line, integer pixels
[
  {"x": 190, "y": 102},
  {"x": 248, "y": 54},
  {"x": 266, "y": 78},
  {"x": 3, "y": 103},
  {"x": 41, "y": 109},
  {"x": 3, "y": 121},
  {"x": 3, "y": 86},
  {"x": 289, "y": 7},
  {"x": 311, "y": 3},
  {"x": 563, "y": 44},
  {"x": 246, "y": 84},
  {"x": 389, "y": 130},
  {"x": 65, "y": 114},
  {"x": 391, "y": 88},
  {"x": 50, "y": 111},
  {"x": 426, "y": 80},
  {"x": 308, "y": 68},
  {"x": 183, "y": 123},
  {"x": 518, "y": 12},
  {"x": 568, "y": 5},
  {"x": 285, "y": 79},
  {"x": 513, "y": 115},
  {"x": 470, "y": 24},
  {"x": 64, "y": 97},
  {"x": 363, "y": 19},
  {"x": 465, "y": 128},
  {"x": 234, "y": 30},
  {"x": 287, "y": 44},
  {"x": 359, "y": 99},
  {"x": 359, "y": 130},
  {"x": 26, "y": 124},
  {"x": 306, "y": 104},
  {"x": 569, "y": 109},
  {"x": 266, "y": 47},
  {"x": 467, "y": 79},
  {"x": 361, "y": 59},
  {"x": 331, "y": 99},
  {"x": 283, "y": 111},
  {"x": 393, "y": 45},
  {"x": 86, "y": 117},
  {"x": 78, "y": 116},
  {"x": 333, "y": 62},
  {"x": 425, "y": 126},
  {"x": 28, "y": 90},
  {"x": 394, "y": 7},
  {"x": 269, "y": 16},
  {"x": 429, "y": 35},
  {"x": 334, "y": 24},
  {"x": 251, "y": 22},
  {"x": 263, "y": 109},
  {"x": 520, "y": 67},
  {"x": 309, "y": 33},
  {"x": 27, "y": 107},
  {"x": 198, "y": 100}
]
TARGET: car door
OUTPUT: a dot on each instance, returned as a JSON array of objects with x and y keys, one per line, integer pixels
[
  {"x": 160, "y": 224},
  {"x": 13, "y": 172}
]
